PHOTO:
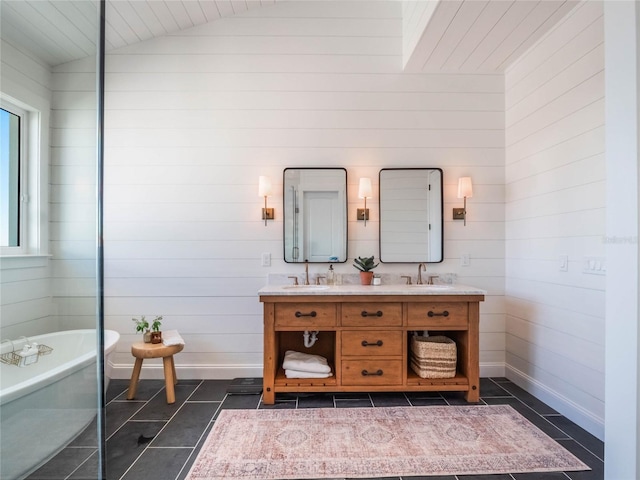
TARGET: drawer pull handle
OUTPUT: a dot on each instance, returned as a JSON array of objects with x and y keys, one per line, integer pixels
[
  {"x": 371, "y": 314},
  {"x": 312, "y": 314},
  {"x": 365, "y": 373},
  {"x": 371, "y": 344},
  {"x": 433, "y": 314}
]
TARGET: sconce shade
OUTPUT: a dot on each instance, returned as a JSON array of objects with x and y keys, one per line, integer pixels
[
  {"x": 365, "y": 190},
  {"x": 264, "y": 186},
  {"x": 465, "y": 188}
]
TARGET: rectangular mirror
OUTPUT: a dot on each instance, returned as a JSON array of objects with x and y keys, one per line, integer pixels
[
  {"x": 411, "y": 222},
  {"x": 315, "y": 215}
]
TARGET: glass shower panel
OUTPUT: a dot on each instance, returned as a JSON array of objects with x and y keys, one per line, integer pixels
[{"x": 50, "y": 296}]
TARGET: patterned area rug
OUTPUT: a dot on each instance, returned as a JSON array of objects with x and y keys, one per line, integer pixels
[{"x": 376, "y": 442}]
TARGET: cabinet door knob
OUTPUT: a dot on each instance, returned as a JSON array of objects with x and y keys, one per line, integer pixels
[
  {"x": 431, "y": 313},
  {"x": 311, "y": 314},
  {"x": 366, "y": 373},
  {"x": 371, "y": 344},
  {"x": 371, "y": 314}
]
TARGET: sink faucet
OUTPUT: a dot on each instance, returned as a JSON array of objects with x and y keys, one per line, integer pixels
[
  {"x": 421, "y": 268},
  {"x": 306, "y": 272}
]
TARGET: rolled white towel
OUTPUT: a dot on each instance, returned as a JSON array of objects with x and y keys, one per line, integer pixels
[
  {"x": 305, "y": 362},
  {"x": 171, "y": 337},
  {"x": 298, "y": 374}
]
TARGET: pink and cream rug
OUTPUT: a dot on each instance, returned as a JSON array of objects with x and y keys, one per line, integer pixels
[{"x": 376, "y": 442}]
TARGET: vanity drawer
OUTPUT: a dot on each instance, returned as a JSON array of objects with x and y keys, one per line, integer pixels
[
  {"x": 371, "y": 343},
  {"x": 306, "y": 315},
  {"x": 436, "y": 314},
  {"x": 372, "y": 314},
  {"x": 371, "y": 372}
]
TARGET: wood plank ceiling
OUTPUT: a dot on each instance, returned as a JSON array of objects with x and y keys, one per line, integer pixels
[
  {"x": 457, "y": 35},
  {"x": 479, "y": 36}
]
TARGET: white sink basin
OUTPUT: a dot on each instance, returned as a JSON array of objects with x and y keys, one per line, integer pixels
[
  {"x": 306, "y": 287},
  {"x": 431, "y": 287}
]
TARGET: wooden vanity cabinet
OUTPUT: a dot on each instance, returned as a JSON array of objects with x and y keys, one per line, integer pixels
[{"x": 366, "y": 339}]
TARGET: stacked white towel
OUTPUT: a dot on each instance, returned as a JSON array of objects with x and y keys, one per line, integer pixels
[
  {"x": 305, "y": 365},
  {"x": 171, "y": 337}
]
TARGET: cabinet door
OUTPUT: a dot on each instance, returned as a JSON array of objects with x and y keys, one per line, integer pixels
[
  {"x": 436, "y": 315},
  {"x": 305, "y": 315},
  {"x": 372, "y": 314},
  {"x": 371, "y": 342}
]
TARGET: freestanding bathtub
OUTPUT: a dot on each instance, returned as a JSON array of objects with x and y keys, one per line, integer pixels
[{"x": 44, "y": 406}]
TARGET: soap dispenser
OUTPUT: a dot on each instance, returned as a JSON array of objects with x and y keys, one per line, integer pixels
[
  {"x": 331, "y": 276},
  {"x": 28, "y": 355}
]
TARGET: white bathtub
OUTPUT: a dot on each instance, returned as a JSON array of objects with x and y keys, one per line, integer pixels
[{"x": 45, "y": 405}]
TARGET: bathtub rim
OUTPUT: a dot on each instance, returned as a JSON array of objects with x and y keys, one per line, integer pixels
[{"x": 59, "y": 372}]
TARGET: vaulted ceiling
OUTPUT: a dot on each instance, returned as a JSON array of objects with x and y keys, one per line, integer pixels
[{"x": 447, "y": 35}]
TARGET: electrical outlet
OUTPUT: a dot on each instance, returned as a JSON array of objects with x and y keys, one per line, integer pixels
[
  {"x": 266, "y": 259},
  {"x": 464, "y": 260}
]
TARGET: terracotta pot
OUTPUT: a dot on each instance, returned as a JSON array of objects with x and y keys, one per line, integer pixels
[
  {"x": 366, "y": 277},
  {"x": 156, "y": 337}
]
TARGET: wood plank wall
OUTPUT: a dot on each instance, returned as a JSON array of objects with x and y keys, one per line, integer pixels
[
  {"x": 194, "y": 118},
  {"x": 555, "y": 206}
]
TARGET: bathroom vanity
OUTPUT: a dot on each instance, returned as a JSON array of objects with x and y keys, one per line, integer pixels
[{"x": 364, "y": 332}]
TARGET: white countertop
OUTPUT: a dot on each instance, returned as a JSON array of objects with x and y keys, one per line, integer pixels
[{"x": 286, "y": 290}]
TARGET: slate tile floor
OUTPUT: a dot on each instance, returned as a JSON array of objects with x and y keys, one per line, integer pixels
[{"x": 150, "y": 440}]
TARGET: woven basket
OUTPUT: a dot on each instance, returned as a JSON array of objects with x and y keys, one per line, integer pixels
[{"x": 433, "y": 357}]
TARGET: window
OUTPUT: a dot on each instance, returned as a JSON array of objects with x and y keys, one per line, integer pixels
[{"x": 12, "y": 155}]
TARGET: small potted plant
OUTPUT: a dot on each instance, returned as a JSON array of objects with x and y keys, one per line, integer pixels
[
  {"x": 156, "y": 334},
  {"x": 142, "y": 326},
  {"x": 365, "y": 265}
]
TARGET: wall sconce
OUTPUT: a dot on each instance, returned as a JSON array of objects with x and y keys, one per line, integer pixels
[
  {"x": 465, "y": 190},
  {"x": 364, "y": 191},
  {"x": 264, "y": 190}
]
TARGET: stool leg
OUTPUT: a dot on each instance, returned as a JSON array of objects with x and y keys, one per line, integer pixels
[
  {"x": 135, "y": 376},
  {"x": 173, "y": 368},
  {"x": 169, "y": 379}
]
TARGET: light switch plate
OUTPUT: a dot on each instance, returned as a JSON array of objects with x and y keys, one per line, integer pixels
[
  {"x": 594, "y": 265},
  {"x": 563, "y": 263},
  {"x": 266, "y": 259},
  {"x": 464, "y": 260}
]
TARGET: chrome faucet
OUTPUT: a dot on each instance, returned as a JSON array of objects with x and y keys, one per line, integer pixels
[
  {"x": 306, "y": 272},
  {"x": 421, "y": 268}
]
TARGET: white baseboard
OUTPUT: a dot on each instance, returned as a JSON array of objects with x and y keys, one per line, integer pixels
[
  {"x": 495, "y": 369},
  {"x": 574, "y": 412},
  {"x": 191, "y": 372}
]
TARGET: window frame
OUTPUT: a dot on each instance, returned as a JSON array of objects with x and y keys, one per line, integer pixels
[
  {"x": 34, "y": 173},
  {"x": 23, "y": 190}
]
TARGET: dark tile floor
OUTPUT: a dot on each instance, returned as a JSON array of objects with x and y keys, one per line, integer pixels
[{"x": 150, "y": 440}]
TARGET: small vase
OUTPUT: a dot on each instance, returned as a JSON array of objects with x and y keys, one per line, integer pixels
[
  {"x": 365, "y": 278},
  {"x": 156, "y": 337},
  {"x": 146, "y": 336}
]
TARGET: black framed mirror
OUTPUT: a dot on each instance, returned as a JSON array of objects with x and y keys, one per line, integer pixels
[
  {"x": 315, "y": 215},
  {"x": 411, "y": 215}
]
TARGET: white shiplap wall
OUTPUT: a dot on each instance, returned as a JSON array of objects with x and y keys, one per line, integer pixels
[
  {"x": 555, "y": 205},
  {"x": 193, "y": 119},
  {"x": 25, "y": 292}
]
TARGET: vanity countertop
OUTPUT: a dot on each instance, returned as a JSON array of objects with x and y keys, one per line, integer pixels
[{"x": 322, "y": 290}]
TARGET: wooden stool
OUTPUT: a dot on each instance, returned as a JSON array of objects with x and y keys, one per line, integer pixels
[{"x": 143, "y": 350}]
